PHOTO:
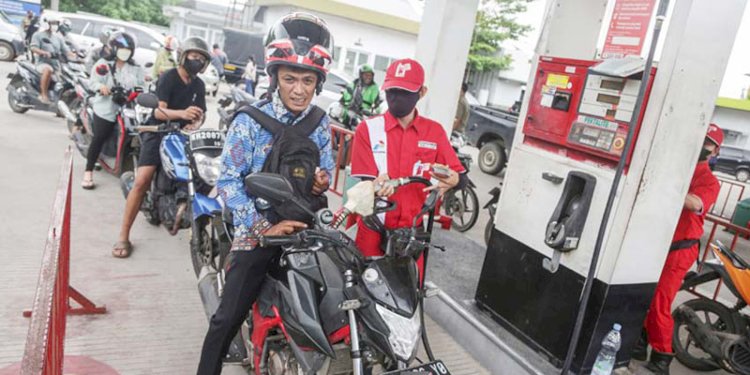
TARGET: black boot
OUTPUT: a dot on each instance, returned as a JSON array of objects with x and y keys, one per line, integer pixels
[
  {"x": 640, "y": 351},
  {"x": 659, "y": 363}
]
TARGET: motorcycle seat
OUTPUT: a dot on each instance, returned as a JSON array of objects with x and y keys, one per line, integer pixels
[{"x": 30, "y": 67}]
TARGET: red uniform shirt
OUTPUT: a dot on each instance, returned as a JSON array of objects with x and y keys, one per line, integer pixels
[
  {"x": 705, "y": 186},
  {"x": 423, "y": 141}
]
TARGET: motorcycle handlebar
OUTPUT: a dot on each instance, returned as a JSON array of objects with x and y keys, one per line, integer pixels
[
  {"x": 163, "y": 128},
  {"x": 293, "y": 239}
]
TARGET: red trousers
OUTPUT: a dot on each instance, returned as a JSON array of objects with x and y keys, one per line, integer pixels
[{"x": 659, "y": 323}]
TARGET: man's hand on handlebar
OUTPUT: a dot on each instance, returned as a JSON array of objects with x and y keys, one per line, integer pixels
[
  {"x": 284, "y": 228},
  {"x": 104, "y": 90},
  {"x": 381, "y": 188},
  {"x": 321, "y": 182},
  {"x": 445, "y": 182}
]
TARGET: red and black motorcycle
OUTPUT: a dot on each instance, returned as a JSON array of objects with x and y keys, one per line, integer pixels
[{"x": 326, "y": 309}]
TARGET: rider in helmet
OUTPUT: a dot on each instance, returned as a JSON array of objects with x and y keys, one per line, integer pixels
[
  {"x": 361, "y": 97},
  {"x": 48, "y": 45},
  {"x": 104, "y": 51},
  {"x": 298, "y": 53},
  {"x": 165, "y": 59},
  {"x": 117, "y": 69},
  {"x": 182, "y": 99}
]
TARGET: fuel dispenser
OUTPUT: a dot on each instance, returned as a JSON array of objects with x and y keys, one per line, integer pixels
[
  {"x": 573, "y": 126},
  {"x": 574, "y": 133}
]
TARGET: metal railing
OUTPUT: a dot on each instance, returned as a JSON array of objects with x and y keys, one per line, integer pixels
[
  {"x": 45, "y": 339},
  {"x": 340, "y": 136}
]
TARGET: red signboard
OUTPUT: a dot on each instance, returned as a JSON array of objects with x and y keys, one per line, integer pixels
[{"x": 628, "y": 28}]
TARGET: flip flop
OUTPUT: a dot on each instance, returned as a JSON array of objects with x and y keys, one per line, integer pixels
[
  {"x": 88, "y": 184},
  {"x": 122, "y": 249}
]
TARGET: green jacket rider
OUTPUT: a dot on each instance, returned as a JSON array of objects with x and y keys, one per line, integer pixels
[{"x": 362, "y": 96}]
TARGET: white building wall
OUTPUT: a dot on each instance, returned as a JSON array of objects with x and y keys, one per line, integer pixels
[{"x": 736, "y": 126}]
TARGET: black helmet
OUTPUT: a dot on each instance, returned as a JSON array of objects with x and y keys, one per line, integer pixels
[
  {"x": 301, "y": 40},
  {"x": 194, "y": 44},
  {"x": 122, "y": 39}
]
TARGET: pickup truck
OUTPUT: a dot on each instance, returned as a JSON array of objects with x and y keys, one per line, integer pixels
[{"x": 491, "y": 130}]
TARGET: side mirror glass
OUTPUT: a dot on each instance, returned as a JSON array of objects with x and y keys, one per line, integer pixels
[{"x": 147, "y": 100}]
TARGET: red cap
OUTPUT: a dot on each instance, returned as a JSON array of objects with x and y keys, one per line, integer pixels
[
  {"x": 405, "y": 74},
  {"x": 715, "y": 134}
]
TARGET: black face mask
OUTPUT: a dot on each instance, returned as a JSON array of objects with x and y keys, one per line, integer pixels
[
  {"x": 401, "y": 102},
  {"x": 193, "y": 67},
  {"x": 704, "y": 154}
]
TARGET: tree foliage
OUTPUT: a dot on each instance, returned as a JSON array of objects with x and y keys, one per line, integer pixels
[
  {"x": 147, "y": 11},
  {"x": 495, "y": 23}
]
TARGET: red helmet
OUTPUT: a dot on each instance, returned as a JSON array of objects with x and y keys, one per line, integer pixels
[
  {"x": 301, "y": 40},
  {"x": 715, "y": 134}
]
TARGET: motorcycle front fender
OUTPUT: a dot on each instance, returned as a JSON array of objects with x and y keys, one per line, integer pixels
[{"x": 204, "y": 206}]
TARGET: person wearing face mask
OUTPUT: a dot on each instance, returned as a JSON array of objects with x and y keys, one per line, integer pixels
[
  {"x": 165, "y": 58},
  {"x": 116, "y": 69},
  {"x": 683, "y": 252},
  {"x": 402, "y": 143},
  {"x": 48, "y": 45},
  {"x": 182, "y": 99},
  {"x": 362, "y": 96}
]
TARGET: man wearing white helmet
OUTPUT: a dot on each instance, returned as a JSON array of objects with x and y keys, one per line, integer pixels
[{"x": 47, "y": 45}]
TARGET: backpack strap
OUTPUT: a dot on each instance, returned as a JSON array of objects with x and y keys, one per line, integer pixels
[
  {"x": 307, "y": 125},
  {"x": 269, "y": 123}
]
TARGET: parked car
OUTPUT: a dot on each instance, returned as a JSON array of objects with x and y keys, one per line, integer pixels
[
  {"x": 11, "y": 39},
  {"x": 735, "y": 161},
  {"x": 335, "y": 82},
  {"x": 491, "y": 130},
  {"x": 85, "y": 30}
]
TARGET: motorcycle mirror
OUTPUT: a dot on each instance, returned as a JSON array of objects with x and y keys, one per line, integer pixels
[
  {"x": 269, "y": 186},
  {"x": 147, "y": 100}
]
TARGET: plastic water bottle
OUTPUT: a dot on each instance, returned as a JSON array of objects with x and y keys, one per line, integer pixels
[{"x": 605, "y": 361}]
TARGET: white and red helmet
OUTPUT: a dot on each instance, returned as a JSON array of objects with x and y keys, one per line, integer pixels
[{"x": 301, "y": 40}]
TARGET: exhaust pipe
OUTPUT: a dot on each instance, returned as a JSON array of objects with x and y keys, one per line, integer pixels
[{"x": 65, "y": 111}]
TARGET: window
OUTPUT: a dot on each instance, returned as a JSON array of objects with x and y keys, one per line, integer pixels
[
  {"x": 144, "y": 39},
  {"x": 363, "y": 58},
  {"x": 353, "y": 60},
  {"x": 336, "y": 56},
  {"x": 77, "y": 25},
  {"x": 382, "y": 63},
  {"x": 195, "y": 31}
]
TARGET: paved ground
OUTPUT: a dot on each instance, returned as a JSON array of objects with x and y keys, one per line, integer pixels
[{"x": 155, "y": 321}]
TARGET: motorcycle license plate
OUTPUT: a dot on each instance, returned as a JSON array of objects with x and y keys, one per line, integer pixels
[
  {"x": 432, "y": 368},
  {"x": 202, "y": 139}
]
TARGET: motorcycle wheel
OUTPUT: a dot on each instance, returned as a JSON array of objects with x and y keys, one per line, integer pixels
[
  {"x": 15, "y": 106},
  {"x": 685, "y": 348},
  {"x": 75, "y": 108},
  {"x": 202, "y": 251},
  {"x": 488, "y": 230},
  {"x": 463, "y": 207}
]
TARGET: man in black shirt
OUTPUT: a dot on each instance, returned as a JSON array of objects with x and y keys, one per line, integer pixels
[{"x": 182, "y": 98}]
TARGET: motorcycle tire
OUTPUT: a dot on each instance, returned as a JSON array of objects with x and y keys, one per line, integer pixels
[
  {"x": 725, "y": 322},
  {"x": 488, "y": 230},
  {"x": 75, "y": 107},
  {"x": 13, "y": 101},
  {"x": 202, "y": 251},
  {"x": 460, "y": 202}
]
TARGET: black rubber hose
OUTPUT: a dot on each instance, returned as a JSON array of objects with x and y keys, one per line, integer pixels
[
  {"x": 425, "y": 340},
  {"x": 583, "y": 304}
]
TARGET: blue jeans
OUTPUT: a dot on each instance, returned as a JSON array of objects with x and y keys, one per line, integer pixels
[{"x": 250, "y": 87}]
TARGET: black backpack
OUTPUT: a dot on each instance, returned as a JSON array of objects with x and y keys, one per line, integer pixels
[{"x": 295, "y": 156}]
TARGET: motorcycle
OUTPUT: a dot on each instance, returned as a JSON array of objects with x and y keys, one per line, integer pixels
[
  {"x": 25, "y": 84},
  {"x": 326, "y": 309},
  {"x": 707, "y": 334},
  {"x": 491, "y": 208},
  {"x": 239, "y": 98},
  {"x": 182, "y": 193},
  {"x": 347, "y": 119},
  {"x": 121, "y": 150},
  {"x": 462, "y": 204}
]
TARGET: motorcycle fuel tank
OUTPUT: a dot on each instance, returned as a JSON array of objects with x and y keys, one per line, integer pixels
[{"x": 174, "y": 160}]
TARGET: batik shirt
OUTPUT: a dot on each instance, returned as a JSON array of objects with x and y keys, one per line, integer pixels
[{"x": 246, "y": 148}]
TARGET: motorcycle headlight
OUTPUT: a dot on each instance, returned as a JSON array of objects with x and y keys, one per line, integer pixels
[
  {"x": 405, "y": 332},
  {"x": 208, "y": 168}
]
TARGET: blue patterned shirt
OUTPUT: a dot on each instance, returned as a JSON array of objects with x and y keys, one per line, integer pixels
[{"x": 245, "y": 150}]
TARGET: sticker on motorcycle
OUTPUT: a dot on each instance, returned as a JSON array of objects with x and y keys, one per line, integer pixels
[{"x": 432, "y": 368}]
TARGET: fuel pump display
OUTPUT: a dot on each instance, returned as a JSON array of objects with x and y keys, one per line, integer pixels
[{"x": 580, "y": 111}]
